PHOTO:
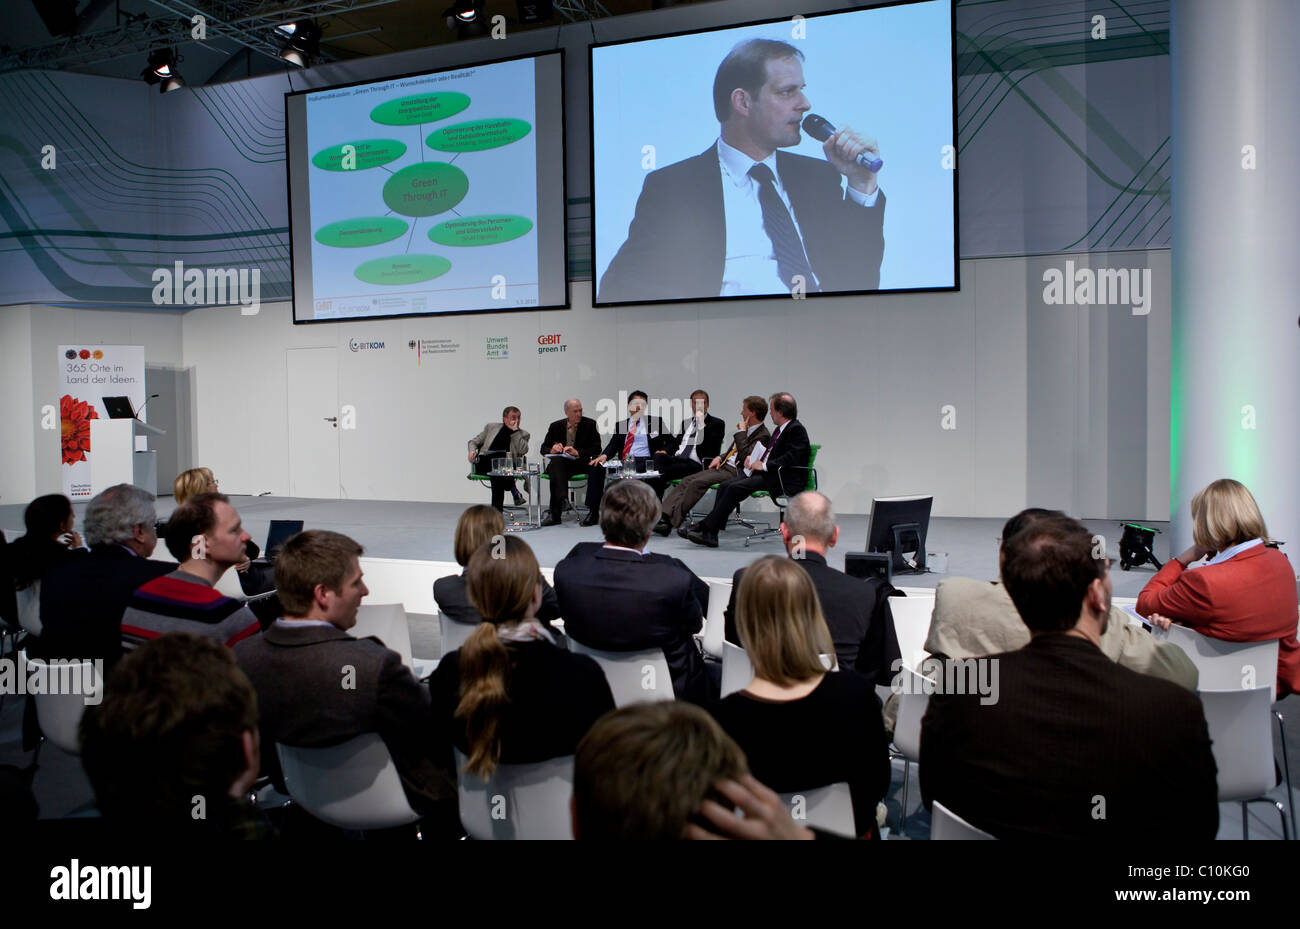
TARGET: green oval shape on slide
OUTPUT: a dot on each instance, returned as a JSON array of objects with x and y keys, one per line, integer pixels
[
  {"x": 358, "y": 233},
  {"x": 419, "y": 108},
  {"x": 402, "y": 269},
  {"x": 477, "y": 135},
  {"x": 480, "y": 230},
  {"x": 426, "y": 189},
  {"x": 371, "y": 153}
]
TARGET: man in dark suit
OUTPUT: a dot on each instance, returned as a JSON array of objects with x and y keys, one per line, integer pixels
[
  {"x": 859, "y": 620},
  {"x": 619, "y": 597},
  {"x": 1066, "y": 743},
  {"x": 693, "y": 448},
  {"x": 317, "y": 685},
  {"x": 577, "y": 437},
  {"x": 789, "y": 449},
  {"x": 745, "y": 218},
  {"x": 640, "y": 437},
  {"x": 82, "y": 600}
]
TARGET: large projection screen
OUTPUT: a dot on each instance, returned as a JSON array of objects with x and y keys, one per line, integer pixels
[
  {"x": 679, "y": 213},
  {"x": 440, "y": 192}
]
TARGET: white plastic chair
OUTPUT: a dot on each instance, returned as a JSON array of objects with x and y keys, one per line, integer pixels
[
  {"x": 29, "y": 608},
  {"x": 912, "y": 624},
  {"x": 912, "y": 703},
  {"x": 228, "y": 584},
  {"x": 829, "y": 808},
  {"x": 59, "y": 714},
  {"x": 945, "y": 824},
  {"x": 737, "y": 671},
  {"x": 519, "y": 801},
  {"x": 715, "y": 624},
  {"x": 628, "y": 673},
  {"x": 1223, "y": 665},
  {"x": 387, "y": 623},
  {"x": 452, "y": 635},
  {"x": 1242, "y": 741},
  {"x": 354, "y": 785}
]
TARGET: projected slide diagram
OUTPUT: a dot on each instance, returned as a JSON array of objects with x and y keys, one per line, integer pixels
[{"x": 423, "y": 194}]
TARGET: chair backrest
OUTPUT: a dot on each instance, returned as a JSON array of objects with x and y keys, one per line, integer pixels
[
  {"x": 1241, "y": 737},
  {"x": 634, "y": 677},
  {"x": 408, "y": 582},
  {"x": 519, "y": 801},
  {"x": 387, "y": 623},
  {"x": 29, "y": 608},
  {"x": 912, "y": 702},
  {"x": 451, "y": 634},
  {"x": 354, "y": 785},
  {"x": 829, "y": 808},
  {"x": 1223, "y": 665},
  {"x": 228, "y": 584},
  {"x": 737, "y": 672},
  {"x": 945, "y": 824},
  {"x": 715, "y": 624},
  {"x": 60, "y": 713},
  {"x": 912, "y": 625}
]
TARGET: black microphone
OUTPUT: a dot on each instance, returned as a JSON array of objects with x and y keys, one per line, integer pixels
[
  {"x": 821, "y": 129},
  {"x": 143, "y": 405}
]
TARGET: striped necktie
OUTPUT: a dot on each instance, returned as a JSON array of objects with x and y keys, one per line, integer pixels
[{"x": 780, "y": 228}]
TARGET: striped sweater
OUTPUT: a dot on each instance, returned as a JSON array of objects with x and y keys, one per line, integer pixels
[{"x": 181, "y": 602}]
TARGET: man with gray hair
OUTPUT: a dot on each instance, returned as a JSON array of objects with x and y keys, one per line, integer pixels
[
  {"x": 856, "y": 610},
  {"x": 618, "y": 597},
  {"x": 82, "y": 601}
]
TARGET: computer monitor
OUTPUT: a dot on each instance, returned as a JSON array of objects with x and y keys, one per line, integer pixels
[
  {"x": 899, "y": 526},
  {"x": 281, "y": 531}
]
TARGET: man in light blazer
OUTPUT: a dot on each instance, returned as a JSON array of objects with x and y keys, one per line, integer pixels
[
  {"x": 490, "y": 443},
  {"x": 723, "y": 467}
]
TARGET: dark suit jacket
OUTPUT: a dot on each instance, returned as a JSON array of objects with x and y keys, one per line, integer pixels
[
  {"x": 1069, "y": 732},
  {"x": 744, "y": 442},
  {"x": 620, "y": 601},
  {"x": 859, "y": 620},
  {"x": 452, "y": 596},
  {"x": 792, "y": 448},
  {"x": 677, "y": 243},
  {"x": 655, "y": 437},
  {"x": 82, "y": 601},
  {"x": 708, "y": 444},
  {"x": 587, "y": 441},
  {"x": 297, "y": 671}
]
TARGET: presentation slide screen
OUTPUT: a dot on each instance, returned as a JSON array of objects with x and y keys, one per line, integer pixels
[
  {"x": 431, "y": 193},
  {"x": 810, "y": 155}
]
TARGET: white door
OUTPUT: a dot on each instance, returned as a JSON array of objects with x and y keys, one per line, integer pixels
[{"x": 313, "y": 398}]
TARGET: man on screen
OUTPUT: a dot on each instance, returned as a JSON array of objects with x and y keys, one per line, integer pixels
[{"x": 744, "y": 218}]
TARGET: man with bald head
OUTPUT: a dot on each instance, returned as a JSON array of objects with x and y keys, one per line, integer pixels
[
  {"x": 576, "y": 437},
  {"x": 856, "y": 611}
]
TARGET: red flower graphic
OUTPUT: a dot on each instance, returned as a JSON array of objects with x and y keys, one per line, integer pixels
[{"x": 76, "y": 415}]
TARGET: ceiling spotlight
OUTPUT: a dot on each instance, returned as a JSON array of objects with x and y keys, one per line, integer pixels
[
  {"x": 302, "y": 42},
  {"x": 464, "y": 11},
  {"x": 162, "y": 70}
]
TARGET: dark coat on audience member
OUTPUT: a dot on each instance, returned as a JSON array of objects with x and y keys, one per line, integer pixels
[
  {"x": 618, "y": 600},
  {"x": 451, "y": 593}
]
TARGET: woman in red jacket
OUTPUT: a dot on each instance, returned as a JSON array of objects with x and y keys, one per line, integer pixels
[{"x": 1246, "y": 592}]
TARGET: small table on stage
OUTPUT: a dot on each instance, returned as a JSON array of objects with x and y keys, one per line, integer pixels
[
  {"x": 532, "y": 473},
  {"x": 620, "y": 471}
]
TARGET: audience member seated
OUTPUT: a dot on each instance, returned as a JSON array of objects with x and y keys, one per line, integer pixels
[
  {"x": 619, "y": 597},
  {"x": 82, "y": 600},
  {"x": 1065, "y": 743},
  {"x": 207, "y": 537},
  {"x": 638, "y": 438},
  {"x": 317, "y": 685},
  {"x": 1246, "y": 592},
  {"x": 173, "y": 748},
  {"x": 858, "y": 617},
  {"x": 577, "y": 439},
  {"x": 478, "y": 526},
  {"x": 698, "y": 444},
  {"x": 195, "y": 481},
  {"x": 668, "y": 771},
  {"x": 788, "y": 449},
  {"x": 509, "y": 695},
  {"x": 972, "y": 619},
  {"x": 50, "y": 540},
  {"x": 680, "y": 499},
  {"x": 500, "y": 440},
  {"x": 801, "y": 727}
]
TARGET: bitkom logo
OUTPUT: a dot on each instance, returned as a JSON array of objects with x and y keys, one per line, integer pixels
[{"x": 359, "y": 346}]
